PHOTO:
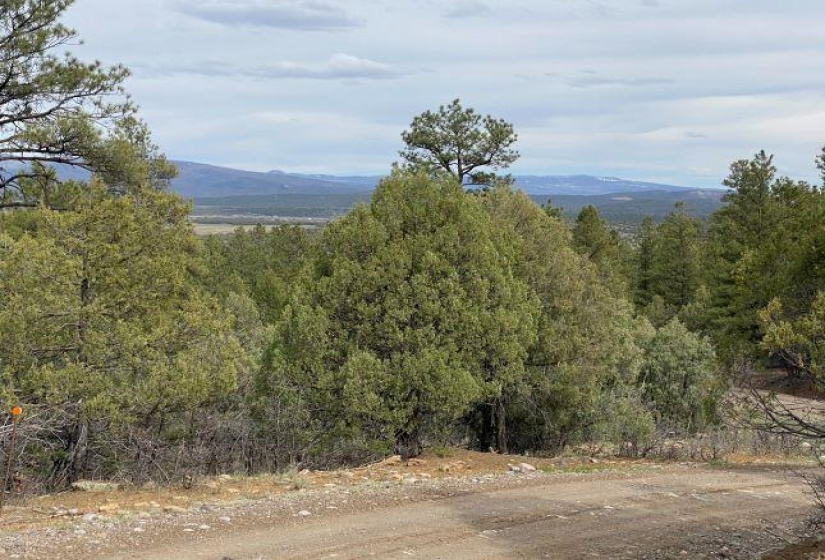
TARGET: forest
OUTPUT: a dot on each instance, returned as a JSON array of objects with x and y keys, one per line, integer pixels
[{"x": 431, "y": 315}]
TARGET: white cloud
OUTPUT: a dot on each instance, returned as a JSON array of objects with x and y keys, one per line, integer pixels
[
  {"x": 338, "y": 67},
  {"x": 304, "y": 15}
]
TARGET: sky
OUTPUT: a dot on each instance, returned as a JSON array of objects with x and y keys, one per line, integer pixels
[{"x": 660, "y": 90}]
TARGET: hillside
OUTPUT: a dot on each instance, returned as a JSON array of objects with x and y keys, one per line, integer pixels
[
  {"x": 220, "y": 191},
  {"x": 224, "y": 192}
]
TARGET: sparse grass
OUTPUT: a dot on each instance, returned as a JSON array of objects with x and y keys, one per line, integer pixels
[
  {"x": 442, "y": 451},
  {"x": 291, "y": 478}
]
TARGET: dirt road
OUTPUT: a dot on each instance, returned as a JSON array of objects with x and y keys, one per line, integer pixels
[{"x": 679, "y": 511}]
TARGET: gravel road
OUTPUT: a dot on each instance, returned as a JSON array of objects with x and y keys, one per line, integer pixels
[{"x": 669, "y": 511}]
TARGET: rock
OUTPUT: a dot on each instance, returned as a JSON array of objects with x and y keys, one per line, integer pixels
[
  {"x": 805, "y": 446},
  {"x": 175, "y": 509},
  {"x": 225, "y": 477},
  {"x": 94, "y": 486},
  {"x": 108, "y": 508},
  {"x": 138, "y": 529},
  {"x": 527, "y": 467},
  {"x": 304, "y": 513},
  {"x": 593, "y": 460},
  {"x": 80, "y": 531},
  {"x": 514, "y": 468},
  {"x": 204, "y": 527},
  {"x": 397, "y": 477},
  {"x": 225, "y": 519},
  {"x": 73, "y": 512},
  {"x": 89, "y": 517}
]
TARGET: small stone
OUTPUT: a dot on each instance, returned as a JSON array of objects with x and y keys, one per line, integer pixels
[
  {"x": 304, "y": 513},
  {"x": 89, "y": 517},
  {"x": 225, "y": 519},
  {"x": 73, "y": 512},
  {"x": 175, "y": 509},
  {"x": 189, "y": 530},
  {"x": 138, "y": 529},
  {"x": 204, "y": 527},
  {"x": 108, "y": 508},
  {"x": 80, "y": 532},
  {"x": 514, "y": 468},
  {"x": 94, "y": 486},
  {"x": 527, "y": 467}
]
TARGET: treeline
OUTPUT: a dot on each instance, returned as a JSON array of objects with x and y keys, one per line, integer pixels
[{"x": 429, "y": 315}]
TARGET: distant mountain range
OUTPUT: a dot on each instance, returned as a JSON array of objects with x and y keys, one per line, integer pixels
[
  {"x": 220, "y": 191},
  {"x": 198, "y": 180}
]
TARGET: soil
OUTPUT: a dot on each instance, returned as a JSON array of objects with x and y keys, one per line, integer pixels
[{"x": 467, "y": 505}]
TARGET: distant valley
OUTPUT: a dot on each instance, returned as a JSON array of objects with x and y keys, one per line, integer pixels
[{"x": 243, "y": 195}]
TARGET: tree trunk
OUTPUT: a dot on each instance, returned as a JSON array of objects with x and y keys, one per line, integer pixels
[
  {"x": 501, "y": 425},
  {"x": 407, "y": 444},
  {"x": 68, "y": 468}
]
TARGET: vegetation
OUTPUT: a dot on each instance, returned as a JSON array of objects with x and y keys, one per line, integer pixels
[
  {"x": 427, "y": 316},
  {"x": 57, "y": 109},
  {"x": 459, "y": 142}
]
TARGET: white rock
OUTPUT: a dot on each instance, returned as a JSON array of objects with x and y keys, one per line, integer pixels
[
  {"x": 304, "y": 513},
  {"x": 527, "y": 467},
  {"x": 204, "y": 527},
  {"x": 225, "y": 519}
]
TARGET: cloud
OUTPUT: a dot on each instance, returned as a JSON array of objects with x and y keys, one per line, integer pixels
[
  {"x": 302, "y": 15},
  {"x": 591, "y": 79},
  {"x": 466, "y": 9},
  {"x": 337, "y": 67}
]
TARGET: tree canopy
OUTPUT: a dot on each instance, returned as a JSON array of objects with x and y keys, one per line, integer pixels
[
  {"x": 56, "y": 109},
  {"x": 460, "y": 142}
]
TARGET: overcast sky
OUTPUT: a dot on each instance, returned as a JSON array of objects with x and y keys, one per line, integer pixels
[{"x": 663, "y": 90}]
